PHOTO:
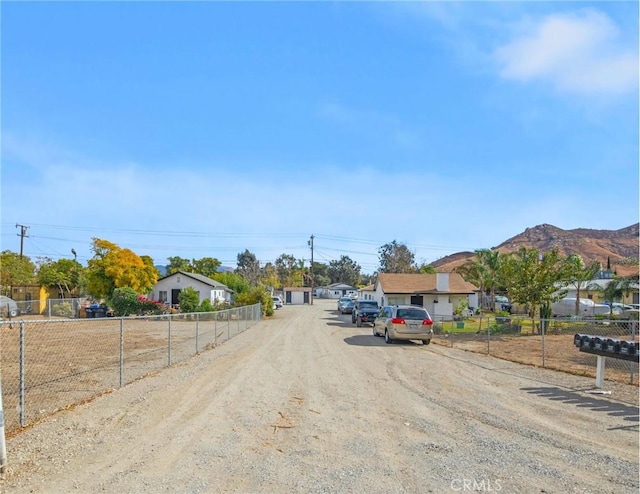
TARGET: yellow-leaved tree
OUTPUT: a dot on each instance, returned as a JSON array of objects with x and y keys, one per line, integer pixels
[{"x": 113, "y": 267}]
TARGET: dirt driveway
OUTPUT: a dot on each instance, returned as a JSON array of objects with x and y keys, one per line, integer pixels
[{"x": 308, "y": 402}]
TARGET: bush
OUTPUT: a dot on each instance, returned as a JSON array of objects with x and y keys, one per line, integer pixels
[
  {"x": 62, "y": 309},
  {"x": 149, "y": 307},
  {"x": 188, "y": 298},
  {"x": 205, "y": 306},
  {"x": 124, "y": 302},
  {"x": 257, "y": 295}
]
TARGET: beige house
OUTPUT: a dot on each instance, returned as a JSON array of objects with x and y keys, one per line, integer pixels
[{"x": 439, "y": 293}]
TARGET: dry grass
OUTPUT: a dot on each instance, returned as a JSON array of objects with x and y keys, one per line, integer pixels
[{"x": 559, "y": 354}]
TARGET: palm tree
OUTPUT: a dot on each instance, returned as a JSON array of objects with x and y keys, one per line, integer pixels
[
  {"x": 484, "y": 272},
  {"x": 578, "y": 273},
  {"x": 617, "y": 289}
]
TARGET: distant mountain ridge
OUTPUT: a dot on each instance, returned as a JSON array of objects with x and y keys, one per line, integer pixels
[{"x": 620, "y": 247}]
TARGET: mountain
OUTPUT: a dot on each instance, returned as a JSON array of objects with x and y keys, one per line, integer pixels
[{"x": 620, "y": 247}]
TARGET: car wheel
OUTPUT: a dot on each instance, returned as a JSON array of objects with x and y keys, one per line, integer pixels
[
  {"x": 426, "y": 342},
  {"x": 387, "y": 339},
  {"x": 13, "y": 313}
]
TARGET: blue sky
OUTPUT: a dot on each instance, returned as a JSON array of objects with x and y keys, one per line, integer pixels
[{"x": 201, "y": 129}]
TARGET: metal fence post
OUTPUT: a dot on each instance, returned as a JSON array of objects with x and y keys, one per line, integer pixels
[
  {"x": 543, "y": 332},
  {"x": 488, "y": 336},
  {"x": 169, "y": 343},
  {"x": 197, "y": 329},
  {"x": 22, "y": 374},
  {"x": 3, "y": 444},
  {"x": 633, "y": 338},
  {"x": 121, "y": 351}
]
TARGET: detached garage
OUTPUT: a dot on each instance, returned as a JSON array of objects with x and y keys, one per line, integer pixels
[{"x": 297, "y": 295}]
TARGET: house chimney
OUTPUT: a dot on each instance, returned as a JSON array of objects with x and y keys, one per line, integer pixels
[{"x": 442, "y": 282}]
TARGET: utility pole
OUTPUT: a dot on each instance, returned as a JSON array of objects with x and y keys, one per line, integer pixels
[
  {"x": 22, "y": 234},
  {"x": 310, "y": 242}
]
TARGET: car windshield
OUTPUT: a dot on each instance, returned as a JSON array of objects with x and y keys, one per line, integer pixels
[
  {"x": 369, "y": 304},
  {"x": 412, "y": 314}
]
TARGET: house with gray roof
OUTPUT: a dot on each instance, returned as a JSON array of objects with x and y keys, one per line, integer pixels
[{"x": 168, "y": 288}]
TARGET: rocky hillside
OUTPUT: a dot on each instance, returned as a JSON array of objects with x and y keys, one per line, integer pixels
[{"x": 621, "y": 247}]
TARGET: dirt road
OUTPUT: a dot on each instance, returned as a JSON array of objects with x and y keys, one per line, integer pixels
[{"x": 308, "y": 402}]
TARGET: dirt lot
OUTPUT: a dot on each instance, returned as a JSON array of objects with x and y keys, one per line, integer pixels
[
  {"x": 559, "y": 354},
  {"x": 308, "y": 402}
]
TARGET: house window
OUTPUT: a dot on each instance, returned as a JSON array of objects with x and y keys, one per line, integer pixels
[{"x": 162, "y": 296}]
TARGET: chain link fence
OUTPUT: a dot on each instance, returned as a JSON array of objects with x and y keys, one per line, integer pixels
[
  {"x": 540, "y": 342},
  {"x": 49, "y": 365}
]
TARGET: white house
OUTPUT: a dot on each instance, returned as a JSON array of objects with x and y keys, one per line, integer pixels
[
  {"x": 439, "y": 293},
  {"x": 367, "y": 293},
  {"x": 593, "y": 290},
  {"x": 168, "y": 288},
  {"x": 297, "y": 295},
  {"x": 337, "y": 290}
]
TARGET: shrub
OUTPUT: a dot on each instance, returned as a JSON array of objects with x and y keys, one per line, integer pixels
[
  {"x": 205, "y": 306},
  {"x": 62, "y": 309},
  {"x": 124, "y": 302},
  {"x": 255, "y": 295},
  {"x": 150, "y": 307},
  {"x": 188, "y": 298}
]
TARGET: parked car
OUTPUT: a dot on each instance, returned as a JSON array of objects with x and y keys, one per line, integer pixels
[
  {"x": 364, "y": 311},
  {"x": 277, "y": 302},
  {"x": 8, "y": 307},
  {"x": 348, "y": 307},
  {"x": 586, "y": 307},
  {"x": 404, "y": 322},
  {"x": 342, "y": 301}
]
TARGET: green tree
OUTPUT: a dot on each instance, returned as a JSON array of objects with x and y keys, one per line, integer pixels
[
  {"x": 425, "y": 268},
  {"x": 177, "y": 263},
  {"x": 474, "y": 272},
  {"x": 206, "y": 266},
  {"x": 64, "y": 274},
  {"x": 321, "y": 274},
  {"x": 396, "y": 258},
  {"x": 532, "y": 279},
  {"x": 616, "y": 289},
  {"x": 287, "y": 268},
  {"x": 256, "y": 295},
  {"x": 124, "y": 302},
  {"x": 344, "y": 270},
  {"x": 249, "y": 267},
  {"x": 233, "y": 281},
  {"x": 189, "y": 299},
  {"x": 269, "y": 276},
  {"x": 492, "y": 260},
  {"x": 113, "y": 267},
  {"x": 577, "y": 273},
  {"x": 15, "y": 271}
]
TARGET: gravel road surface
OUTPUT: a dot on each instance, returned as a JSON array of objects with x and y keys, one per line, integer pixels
[{"x": 306, "y": 402}]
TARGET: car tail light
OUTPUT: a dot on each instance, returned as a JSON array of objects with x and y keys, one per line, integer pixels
[
  {"x": 397, "y": 320},
  {"x": 427, "y": 322}
]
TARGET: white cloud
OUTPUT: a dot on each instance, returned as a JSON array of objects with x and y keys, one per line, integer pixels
[{"x": 575, "y": 52}]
